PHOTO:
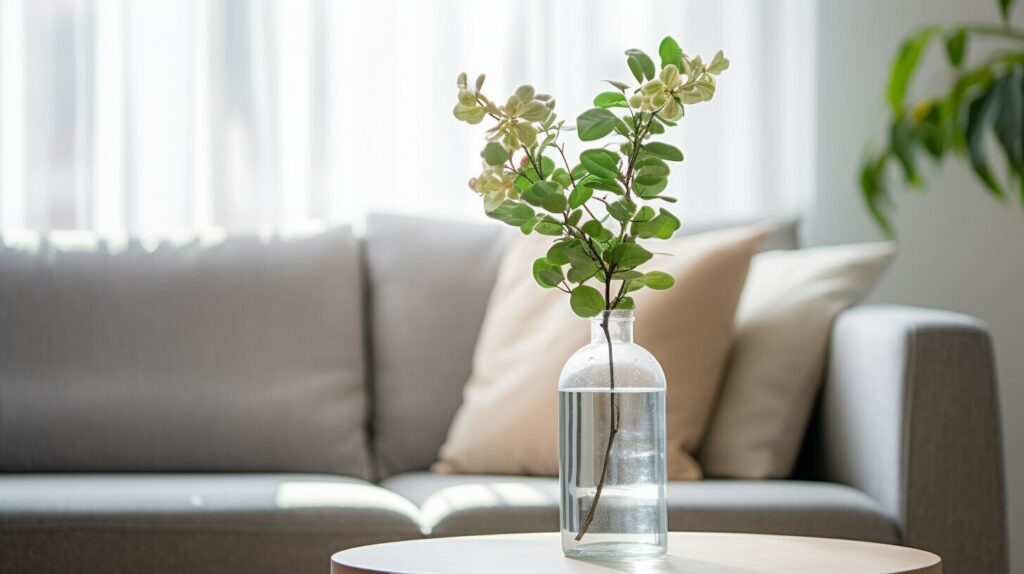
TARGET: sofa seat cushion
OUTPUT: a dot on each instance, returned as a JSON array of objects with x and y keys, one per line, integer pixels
[
  {"x": 193, "y": 523},
  {"x": 457, "y": 505}
]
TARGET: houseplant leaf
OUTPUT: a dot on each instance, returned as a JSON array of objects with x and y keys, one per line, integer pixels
[
  {"x": 664, "y": 151},
  {"x": 586, "y": 301},
  {"x": 595, "y": 123},
  {"x": 670, "y": 53},
  {"x": 547, "y": 274},
  {"x": 980, "y": 118},
  {"x": 601, "y": 163},
  {"x": 610, "y": 100},
  {"x": 905, "y": 64}
]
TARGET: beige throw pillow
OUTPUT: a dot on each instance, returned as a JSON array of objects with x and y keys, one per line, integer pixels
[
  {"x": 778, "y": 356},
  {"x": 507, "y": 423}
]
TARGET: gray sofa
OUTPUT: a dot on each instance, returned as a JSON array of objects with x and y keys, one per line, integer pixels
[{"x": 257, "y": 403}]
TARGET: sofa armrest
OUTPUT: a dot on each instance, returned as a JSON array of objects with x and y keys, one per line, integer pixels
[{"x": 910, "y": 416}]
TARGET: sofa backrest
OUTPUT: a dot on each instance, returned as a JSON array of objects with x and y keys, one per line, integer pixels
[
  {"x": 244, "y": 355},
  {"x": 428, "y": 286}
]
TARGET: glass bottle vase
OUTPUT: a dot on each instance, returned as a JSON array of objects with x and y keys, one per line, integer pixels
[{"x": 612, "y": 467}]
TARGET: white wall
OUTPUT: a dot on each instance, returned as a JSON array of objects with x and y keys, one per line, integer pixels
[{"x": 959, "y": 249}]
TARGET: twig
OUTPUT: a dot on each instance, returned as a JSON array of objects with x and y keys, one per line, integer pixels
[{"x": 613, "y": 416}]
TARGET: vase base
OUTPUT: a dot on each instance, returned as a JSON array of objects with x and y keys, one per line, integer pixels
[{"x": 615, "y": 551}]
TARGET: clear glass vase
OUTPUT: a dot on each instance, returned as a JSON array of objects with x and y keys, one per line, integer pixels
[{"x": 612, "y": 468}]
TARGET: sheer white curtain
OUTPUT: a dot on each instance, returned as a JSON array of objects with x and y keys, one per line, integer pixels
[{"x": 161, "y": 116}]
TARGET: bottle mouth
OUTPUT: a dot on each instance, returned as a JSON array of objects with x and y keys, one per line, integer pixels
[{"x": 615, "y": 315}]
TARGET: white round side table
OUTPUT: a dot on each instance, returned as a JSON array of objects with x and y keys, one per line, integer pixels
[{"x": 688, "y": 552}]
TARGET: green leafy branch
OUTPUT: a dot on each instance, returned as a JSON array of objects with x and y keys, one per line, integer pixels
[
  {"x": 980, "y": 101},
  {"x": 599, "y": 209}
]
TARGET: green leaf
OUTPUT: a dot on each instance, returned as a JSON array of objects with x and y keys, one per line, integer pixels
[
  {"x": 610, "y": 100},
  {"x": 586, "y": 301},
  {"x": 956, "y": 46},
  {"x": 512, "y": 213},
  {"x": 594, "y": 229},
  {"x": 627, "y": 255},
  {"x": 547, "y": 274},
  {"x": 645, "y": 214},
  {"x": 494, "y": 153},
  {"x": 645, "y": 61},
  {"x": 1010, "y": 121},
  {"x": 647, "y": 160},
  {"x": 561, "y": 177},
  {"x": 556, "y": 254},
  {"x": 905, "y": 64},
  {"x": 579, "y": 256},
  {"x": 649, "y": 180},
  {"x": 535, "y": 111},
  {"x": 626, "y": 303},
  {"x": 671, "y": 53},
  {"x": 667, "y": 122},
  {"x": 901, "y": 138},
  {"x": 659, "y": 170},
  {"x": 658, "y": 280},
  {"x": 574, "y": 217},
  {"x": 622, "y": 210},
  {"x": 634, "y": 66},
  {"x": 579, "y": 172},
  {"x": 538, "y": 192},
  {"x": 547, "y": 166},
  {"x": 661, "y": 226},
  {"x": 664, "y": 151},
  {"x": 549, "y": 228},
  {"x": 605, "y": 185},
  {"x": 595, "y": 123},
  {"x": 601, "y": 162},
  {"x": 980, "y": 118},
  {"x": 635, "y": 285},
  {"x": 650, "y": 191},
  {"x": 624, "y": 275},
  {"x": 527, "y": 228},
  {"x": 932, "y": 133},
  {"x": 622, "y": 87},
  {"x": 579, "y": 196},
  {"x": 581, "y": 274},
  {"x": 555, "y": 202},
  {"x": 874, "y": 191},
  {"x": 471, "y": 114},
  {"x": 1005, "y": 6}
]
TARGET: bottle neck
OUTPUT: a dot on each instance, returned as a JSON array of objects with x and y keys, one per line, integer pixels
[{"x": 619, "y": 323}]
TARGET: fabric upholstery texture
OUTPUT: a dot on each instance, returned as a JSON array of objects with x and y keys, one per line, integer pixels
[
  {"x": 909, "y": 416},
  {"x": 428, "y": 283},
  {"x": 457, "y": 505},
  {"x": 245, "y": 354},
  {"x": 777, "y": 360},
  {"x": 192, "y": 523},
  {"x": 149, "y": 358},
  {"x": 507, "y": 423}
]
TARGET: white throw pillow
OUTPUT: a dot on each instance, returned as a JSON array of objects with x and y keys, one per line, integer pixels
[{"x": 776, "y": 365}]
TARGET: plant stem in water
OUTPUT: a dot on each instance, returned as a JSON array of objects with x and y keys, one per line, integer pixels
[{"x": 613, "y": 429}]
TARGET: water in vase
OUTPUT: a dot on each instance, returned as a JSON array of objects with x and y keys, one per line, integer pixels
[{"x": 630, "y": 519}]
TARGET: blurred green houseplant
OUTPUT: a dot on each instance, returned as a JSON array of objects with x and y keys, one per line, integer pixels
[{"x": 980, "y": 102}]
